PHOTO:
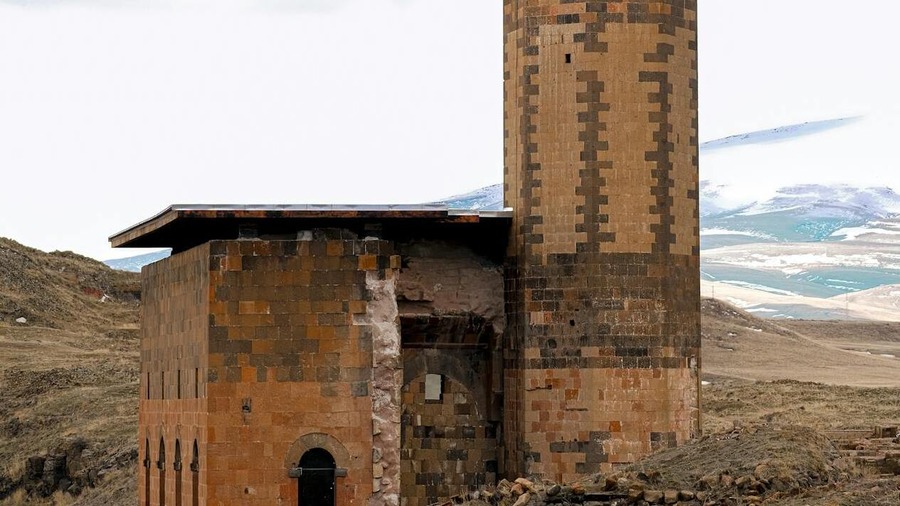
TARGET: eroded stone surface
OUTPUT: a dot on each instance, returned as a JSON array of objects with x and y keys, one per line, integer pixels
[{"x": 382, "y": 318}]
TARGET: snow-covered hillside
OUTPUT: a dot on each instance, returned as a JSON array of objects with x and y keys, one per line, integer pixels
[
  {"x": 803, "y": 210},
  {"x": 800, "y": 213},
  {"x": 489, "y": 198},
  {"x": 134, "y": 264}
]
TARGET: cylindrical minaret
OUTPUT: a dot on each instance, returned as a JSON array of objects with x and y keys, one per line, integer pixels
[{"x": 601, "y": 168}]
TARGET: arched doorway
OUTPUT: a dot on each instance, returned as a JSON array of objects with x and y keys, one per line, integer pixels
[{"x": 316, "y": 485}]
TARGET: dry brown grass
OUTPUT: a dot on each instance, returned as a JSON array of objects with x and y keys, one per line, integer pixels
[
  {"x": 72, "y": 370},
  {"x": 18, "y": 498},
  {"x": 823, "y": 407},
  {"x": 737, "y": 345}
]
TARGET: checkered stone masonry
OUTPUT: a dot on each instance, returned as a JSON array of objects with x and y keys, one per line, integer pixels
[
  {"x": 174, "y": 350},
  {"x": 601, "y": 168},
  {"x": 282, "y": 335},
  {"x": 449, "y": 448}
]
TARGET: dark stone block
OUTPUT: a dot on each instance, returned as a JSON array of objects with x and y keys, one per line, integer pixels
[
  {"x": 457, "y": 454},
  {"x": 359, "y": 389}
]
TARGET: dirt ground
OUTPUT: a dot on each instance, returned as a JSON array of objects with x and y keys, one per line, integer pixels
[
  {"x": 59, "y": 386},
  {"x": 738, "y": 345}
]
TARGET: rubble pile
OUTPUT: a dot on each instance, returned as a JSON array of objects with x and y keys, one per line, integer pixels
[{"x": 748, "y": 465}]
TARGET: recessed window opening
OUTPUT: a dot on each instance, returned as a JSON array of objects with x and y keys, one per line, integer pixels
[
  {"x": 161, "y": 465},
  {"x": 568, "y": 57},
  {"x": 177, "y": 467},
  {"x": 195, "y": 458},
  {"x": 179, "y": 384},
  {"x": 147, "y": 470},
  {"x": 195, "y": 476}
]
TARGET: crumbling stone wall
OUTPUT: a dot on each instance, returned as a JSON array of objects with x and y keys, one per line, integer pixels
[
  {"x": 451, "y": 307},
  {"x": 442, "y": 278},
  {"x": 449, "y": 447},
  {"x": 383, "y": 320}
]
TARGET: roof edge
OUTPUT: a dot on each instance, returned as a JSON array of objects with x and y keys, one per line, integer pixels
[{"x": 128, "y": 236}]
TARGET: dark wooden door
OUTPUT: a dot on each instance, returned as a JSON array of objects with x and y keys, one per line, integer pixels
[{"x": 316, "y": 482}]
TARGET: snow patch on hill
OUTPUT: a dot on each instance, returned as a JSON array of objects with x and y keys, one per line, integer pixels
[
  {"x": 135, "y": 263},
  {"x": 489, "y": 198}
]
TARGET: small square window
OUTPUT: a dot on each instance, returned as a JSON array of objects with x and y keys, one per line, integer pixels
[
  {"x": 568, "y": 57},
  {"x": 434, "y": 387}
]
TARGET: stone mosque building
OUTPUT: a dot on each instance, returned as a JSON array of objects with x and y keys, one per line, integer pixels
[{"x": 357, "y": 355}]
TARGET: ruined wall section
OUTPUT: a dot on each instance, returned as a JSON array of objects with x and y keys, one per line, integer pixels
[
  {"x": 440, "y": 278},
  {"x": 452, "y": 315},
  {"x": 173, "y": 401},
  {"x": 450, "y": 447},
  {"x": 383, "y": 320},
  {"x": 601, "y": 168},
  {"x": 291, "y": 361}
]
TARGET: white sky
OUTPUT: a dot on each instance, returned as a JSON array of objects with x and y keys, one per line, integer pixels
[{"x": 110, "y": 111}]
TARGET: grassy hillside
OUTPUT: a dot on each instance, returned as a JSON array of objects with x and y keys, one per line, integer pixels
[{"x": 68, "y": 377}]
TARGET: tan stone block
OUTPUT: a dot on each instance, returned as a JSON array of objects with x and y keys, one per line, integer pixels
[{"x": 368, "y": 262}]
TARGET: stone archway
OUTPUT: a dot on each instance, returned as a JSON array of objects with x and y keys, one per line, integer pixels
[
  {"x": 441, "y": 362},
  {"x": 317, "y": 440},
  {"x": 311, "y": 450}
]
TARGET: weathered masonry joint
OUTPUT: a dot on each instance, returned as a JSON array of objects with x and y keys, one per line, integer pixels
[{"x": 401, "y": 355}]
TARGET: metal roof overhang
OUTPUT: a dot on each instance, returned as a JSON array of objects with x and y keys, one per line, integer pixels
[{"x": 181, "y": 227}]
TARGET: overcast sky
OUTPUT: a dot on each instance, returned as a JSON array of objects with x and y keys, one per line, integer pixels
[{"x": 110, "y": 111}]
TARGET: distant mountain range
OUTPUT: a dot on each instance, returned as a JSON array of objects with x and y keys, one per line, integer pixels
[
  {"x": 134, "y": 264},
  {"x": 827, "y": 231},
  {"x": 811, "y": 238},
  {"x": 801, "y": 213},
  {"x": 489, "y": 198}
]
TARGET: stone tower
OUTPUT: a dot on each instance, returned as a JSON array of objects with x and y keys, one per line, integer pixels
[{"x": 601, "y": 169}]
